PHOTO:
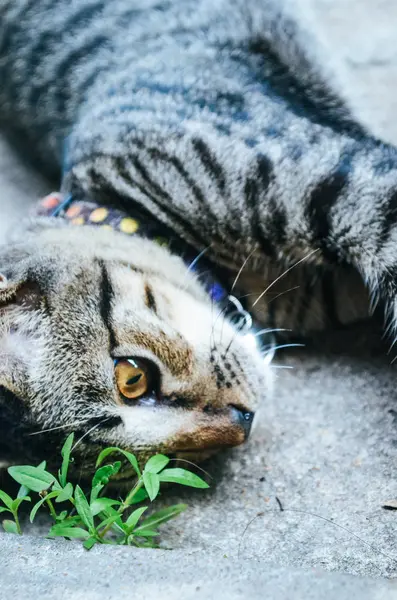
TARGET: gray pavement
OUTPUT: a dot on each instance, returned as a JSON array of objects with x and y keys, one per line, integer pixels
[
  {"x": 42, "y": 569},
  {"x": 325, "y": 447}
]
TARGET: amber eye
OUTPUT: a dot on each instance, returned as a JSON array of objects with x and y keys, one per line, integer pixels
[{"x": 134, "y": 378}]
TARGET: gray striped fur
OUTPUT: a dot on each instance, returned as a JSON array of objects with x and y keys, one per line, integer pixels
[{"x": 219, "y": 118}]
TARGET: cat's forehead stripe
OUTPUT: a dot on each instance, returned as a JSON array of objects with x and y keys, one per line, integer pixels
[
  {"x": 149, "y": 298},
  {"x": 176, "y": 354},
  {"x": 106, "y": 299}
]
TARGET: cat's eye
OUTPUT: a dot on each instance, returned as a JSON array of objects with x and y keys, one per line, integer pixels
[{"x": 134, "y": 378}]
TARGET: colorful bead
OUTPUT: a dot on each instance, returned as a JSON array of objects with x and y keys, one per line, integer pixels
[
  {"x": 51, "y": 201},
  {"x": 128, "y": 225},
  {"x": 73, "y": 211},
  {"x": 83, "y": 212},
  {"x": 98, "y": 215}
]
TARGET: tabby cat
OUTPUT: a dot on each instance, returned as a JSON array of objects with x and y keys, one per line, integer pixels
[{"x": 218, "y": 121}]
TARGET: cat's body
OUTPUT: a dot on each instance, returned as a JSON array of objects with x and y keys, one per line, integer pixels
[{"x": 215, "y": 118}]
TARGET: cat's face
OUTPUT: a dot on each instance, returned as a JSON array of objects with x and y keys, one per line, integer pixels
[{"x": 113, "y": 338}]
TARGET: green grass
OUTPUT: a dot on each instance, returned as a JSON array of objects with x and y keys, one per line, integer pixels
[{"x": 93, "y": 517}]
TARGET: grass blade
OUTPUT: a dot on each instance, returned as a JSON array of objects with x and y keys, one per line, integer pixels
[
  {"x": 65, "y": 494},
  {"x": 61, "y": 530},
  {"x": 110, "y": 521},
  {"x": 10, "y": 526},
  {"x": 159, "y": 517},
  {"x": 22, "y": 492},
  {"x": 182, "y": 477},
  {"x": 6, "y": 499},
  {"x": 101, "y": 504},
  {"x": 18, "y": 501},
  {"x": 139, "y": 496},
  {"x": 147, "y": 533},
  {"x": 156, "y": 463},
  {"x": 130, "y": 457},
  {"x": 103, "y": 474},
  {"x": 134, "y": 518},
  {"x": 89, "y": 543},
  {"x": 118, "y": 524},
  {"x": 152, "y": 484},
  {"x": 65, "y": 452},
  {"x": 36, "y": 507},
  {"x": 83, "y": 508},
  {"x": 34, "y": 478}
]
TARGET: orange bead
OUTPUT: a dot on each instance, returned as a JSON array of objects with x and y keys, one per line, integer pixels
[
  {"x": 73, "y": 211},
  {"x": 51, "y": 201}
]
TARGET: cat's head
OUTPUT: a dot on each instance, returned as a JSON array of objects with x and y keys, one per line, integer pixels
[{"x": 113, "y": 338}]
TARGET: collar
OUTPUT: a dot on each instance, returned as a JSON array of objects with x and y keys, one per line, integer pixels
[{"x": 87, "y": 212}]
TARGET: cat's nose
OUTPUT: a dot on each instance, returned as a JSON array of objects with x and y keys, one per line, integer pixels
[{"x": 243, "y": 418}]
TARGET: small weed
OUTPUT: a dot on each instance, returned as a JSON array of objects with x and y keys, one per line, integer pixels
[{"x": 96, "y": 519}]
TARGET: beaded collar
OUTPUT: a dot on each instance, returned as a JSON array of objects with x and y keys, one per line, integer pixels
[{"x": 86, "y": 212}]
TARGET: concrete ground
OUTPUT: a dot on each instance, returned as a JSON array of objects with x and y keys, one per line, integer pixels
[
  {"x": 43, "y": 569},
  {"x": 325, "y": 451}
]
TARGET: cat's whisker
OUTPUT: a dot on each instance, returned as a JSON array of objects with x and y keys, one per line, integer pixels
[
  {"x": 222, "y": 310},
  {"x": 231, "y": 289},
  {"x": 283, "y": 275},
  {"x": 189, "y": 462},
  {"x": 213, "y": 345},
  {"x": 254, "y": 335},
  {"x": 274, "y": 348},
  {"x": 212, "y": 335},
  {"x": 239, "y": 310},
  {"x": 231, "y": 315},
  {"x": 183, "y": 288},
  {"x": 296, "y": 287},
  {"x": 90, "y": 431},
  {"x": 68, "y": 425},
  {"x": 241, "y": 270},
  {"x": 221, "y": 336},
  {"x": 195, "y": 260},
  {"x": 192, "y": 265},
  {"x": 238, "y": 329},
  {"x": 263, "y": 331},
  {"x": 281, "y": 367}
]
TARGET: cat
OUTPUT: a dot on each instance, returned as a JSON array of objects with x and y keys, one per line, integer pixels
[{"x": 223, "y": 123}]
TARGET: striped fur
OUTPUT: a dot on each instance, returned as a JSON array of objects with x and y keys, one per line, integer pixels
[{"x": 224, "y": 121}]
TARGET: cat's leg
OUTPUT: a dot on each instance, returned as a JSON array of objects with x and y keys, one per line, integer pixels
[
  {"x": 333, "y": 231},
  {"x": 209, "y": 144},
  {"x": 320, "y": 199}
]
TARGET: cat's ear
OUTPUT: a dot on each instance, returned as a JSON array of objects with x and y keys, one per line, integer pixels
[{"x": 20, "y": 302}]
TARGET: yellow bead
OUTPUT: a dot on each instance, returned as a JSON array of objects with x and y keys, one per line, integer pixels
[
  {"x": 128, "y": 225},
  {"x": 78, "y": 221},
  {"x": 98, "y": 215}
]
